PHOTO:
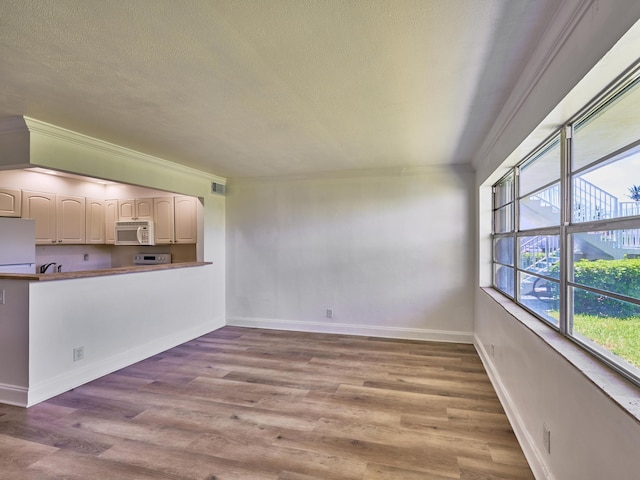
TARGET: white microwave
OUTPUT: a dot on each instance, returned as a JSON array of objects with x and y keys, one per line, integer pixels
[{"x": 134, "y": 233}]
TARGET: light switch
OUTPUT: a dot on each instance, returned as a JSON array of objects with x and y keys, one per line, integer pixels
[{"x": 2, "y": 296}]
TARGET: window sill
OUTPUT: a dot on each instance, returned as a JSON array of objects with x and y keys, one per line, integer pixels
[{"x": 613, "y": 385}]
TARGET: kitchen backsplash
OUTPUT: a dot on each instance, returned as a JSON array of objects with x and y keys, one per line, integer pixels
[
  {"x": 72, "y": 257},
  {"x": 98, "y": 257}
]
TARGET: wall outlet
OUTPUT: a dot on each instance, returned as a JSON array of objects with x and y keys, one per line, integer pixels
[
  {"x": 492, "y": 350},
  {"x": 329, "y": 313},
  {"x": 78, "y": 354},
  {"x": 546, "y": 438},
  {"x": 2, "y": 295},
  {"x": 86, "y": 257}
]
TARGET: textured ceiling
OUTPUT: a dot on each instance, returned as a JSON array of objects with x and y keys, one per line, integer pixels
[{"x": 275, "y": 87}]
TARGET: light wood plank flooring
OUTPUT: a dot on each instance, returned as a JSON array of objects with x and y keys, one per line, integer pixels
[{"x": 247, "y": 404}]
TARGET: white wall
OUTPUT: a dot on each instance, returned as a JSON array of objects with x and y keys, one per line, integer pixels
[
  {"x": 593, "y": 437},
  {"x": 14, "y": 339},
  {"x": 117, "y": 319},
  {"x": 388, "y": 252}
]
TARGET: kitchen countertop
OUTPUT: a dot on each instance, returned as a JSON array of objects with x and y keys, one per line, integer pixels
[{"x": 41, "y": 277}]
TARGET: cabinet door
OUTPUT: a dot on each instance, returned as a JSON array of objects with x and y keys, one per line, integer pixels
[
  {"x": 95, "y": 221},
  {"x": 144, "y": 209},
  {"x": 110, "y": 218},
  {"x": 42, "y": 208},
  {"x": 126, "y": 210},
  {"x": 10, "y": 202},
  {"x": 163, "y": 218},
  {"x": 186, "y": 219},
  {"x": 71, "y": 219}
]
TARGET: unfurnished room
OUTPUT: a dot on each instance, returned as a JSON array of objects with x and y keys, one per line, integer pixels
[{"x": 319, "y": 239}]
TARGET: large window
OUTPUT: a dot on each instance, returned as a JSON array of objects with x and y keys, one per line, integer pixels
[{"x": 566, "y": 229}]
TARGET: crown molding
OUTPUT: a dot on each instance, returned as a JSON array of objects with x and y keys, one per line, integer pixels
[
  {"x": 567, "y": 17},
  {"x": 61, "y": 134},
  {"x": 16, "y": 125}
]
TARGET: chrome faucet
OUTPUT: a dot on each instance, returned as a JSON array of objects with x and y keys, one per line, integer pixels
[{"x": 44, "y": 268}]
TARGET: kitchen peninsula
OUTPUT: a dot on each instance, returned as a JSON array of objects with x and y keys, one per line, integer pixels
[
  {"x": 101, "y": 313},
  {"x": 45, "y": 277},
  {"x": 61, "y": 330}
]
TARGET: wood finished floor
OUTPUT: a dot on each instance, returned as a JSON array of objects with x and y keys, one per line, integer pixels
[{"x": 248, "y": 404}]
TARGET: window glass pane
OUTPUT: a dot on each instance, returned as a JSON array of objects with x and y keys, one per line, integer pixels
[
  {"x": 608, "y": 191},
  {"x": 540, "y": 295},
  {"x": 503, "y": 250},
  {"x": 542, "y": 169},
  {"x": 541, "y": 254},
  {"x": 542, "y": 209},
  {"x": 622, "y": 245},
  {"x": 610, "y": 326},
  {"x": 503, "y": 279},
  {"x": 621, "y": 275},
  {"x": 504, "y": 191},
  {"x": 503, "y": 219},
  {"x": 612, "y": 127}
]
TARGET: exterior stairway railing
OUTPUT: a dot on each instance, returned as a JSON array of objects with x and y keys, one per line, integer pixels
[{"x": 592, "y": 203}]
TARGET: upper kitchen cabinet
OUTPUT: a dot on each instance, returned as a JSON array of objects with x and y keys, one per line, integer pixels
[
  {"x": 95, "y": 221},
  {"x": 138, "y": 209},
  {"x": 110, "y": 218},
  {"x": 164, "y": 220},
  {"x": 10, "y": 202},
  {"x": 175, "y": 219},
  {"x": 59, "y": 218},
  {"x": 186, "y": 219},
  {"x": 42, "y": 208},
  {"x": 71, "y": 219}
]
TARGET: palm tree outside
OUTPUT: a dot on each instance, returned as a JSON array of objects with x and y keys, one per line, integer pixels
[{"x": 634, "y": 193}]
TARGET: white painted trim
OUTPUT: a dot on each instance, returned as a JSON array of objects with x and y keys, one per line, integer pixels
[
  {"x": 531, "y": 452},
  {"x": 65, "y": 382},
  {"x": 461, "y": 168},
  {"x": 353, "y": 329},
  {"x": 61, "y": 134},
  {"x": 565, "y": 20},
  {"x": 13, "y": 395}
]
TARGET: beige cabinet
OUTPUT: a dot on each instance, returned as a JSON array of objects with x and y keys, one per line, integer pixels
[
  {"x": 175, "y": 219},
  {"x": 135, "y": 209},
  {"x": 95, "y": 221},
  {"x": 59, "y": 218},
  {"x": 42, "y": 208},
  {"x": 164, "y": 220},
  {"x": 10, "y": 202},
  {"x": 70, "y": 219},
  {"x": 186, "y": 219},
  {"x": 110, "y": 218}
]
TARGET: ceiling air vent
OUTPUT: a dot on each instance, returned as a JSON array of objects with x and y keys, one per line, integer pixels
[{"x": 218, "y": 188}]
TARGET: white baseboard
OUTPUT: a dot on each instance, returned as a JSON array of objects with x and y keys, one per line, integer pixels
[
  {"x": 531, "y": 452},
  {"x": 13, "y": 395},
  {"x": 353, "y": 329},
  {"x": 67, "y": 381}
]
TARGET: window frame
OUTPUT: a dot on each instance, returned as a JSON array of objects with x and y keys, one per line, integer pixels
[{"x": 567, "y": 228}]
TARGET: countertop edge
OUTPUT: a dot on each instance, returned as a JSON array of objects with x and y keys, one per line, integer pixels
[{"x": 35, "y": 277}]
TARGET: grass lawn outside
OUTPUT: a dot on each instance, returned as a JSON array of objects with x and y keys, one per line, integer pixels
[{"x": 620, "y": 336}]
